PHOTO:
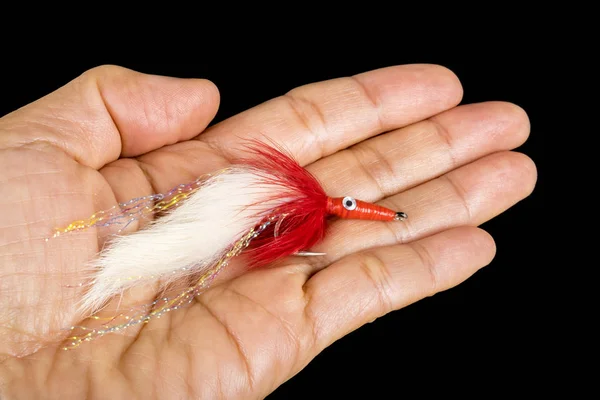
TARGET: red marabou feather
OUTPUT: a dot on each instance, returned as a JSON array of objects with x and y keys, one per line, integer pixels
[{"x": 306, "y": 209}]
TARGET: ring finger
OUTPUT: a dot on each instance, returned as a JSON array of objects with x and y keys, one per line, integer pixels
[{"x": 470, "y": 195}]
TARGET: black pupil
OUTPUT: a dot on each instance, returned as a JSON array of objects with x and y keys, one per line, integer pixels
[{"x": 348, "y": 203}]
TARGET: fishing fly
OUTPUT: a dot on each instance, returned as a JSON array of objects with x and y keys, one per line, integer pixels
[{"x": 266, "y": 206}]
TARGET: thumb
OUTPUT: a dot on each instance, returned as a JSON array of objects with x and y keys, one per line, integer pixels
[{"x": 110, "y": 112}]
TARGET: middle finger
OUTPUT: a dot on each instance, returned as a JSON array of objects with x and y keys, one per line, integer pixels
[{"x": 404, "y": 158}]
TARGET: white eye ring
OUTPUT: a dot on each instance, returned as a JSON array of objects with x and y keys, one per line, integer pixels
[{"x": 349, "y": 203}]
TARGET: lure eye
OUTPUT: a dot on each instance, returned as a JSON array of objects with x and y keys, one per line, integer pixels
[{"x": 349, "y": 203}]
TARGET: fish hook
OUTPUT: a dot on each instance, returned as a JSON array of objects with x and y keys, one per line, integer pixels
[{"x": 299, "y": 253}]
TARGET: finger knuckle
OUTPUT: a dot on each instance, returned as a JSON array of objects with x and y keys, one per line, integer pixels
[
  {"x": 461, "y": 195},
  {"x": 375, "y": 166},
  {"x": 309, "y": 115},
  {"x": 427, "y": 265},
  {"x": 377, "y": 273}
]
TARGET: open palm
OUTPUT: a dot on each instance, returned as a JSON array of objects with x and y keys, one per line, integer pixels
[{"x": 394, "y": 136}]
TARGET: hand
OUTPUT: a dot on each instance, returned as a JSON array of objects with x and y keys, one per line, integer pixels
[{"x": 394, "y": 136}]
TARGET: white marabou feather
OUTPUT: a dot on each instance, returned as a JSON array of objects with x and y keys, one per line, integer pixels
[{"x": 192, "y": 236}]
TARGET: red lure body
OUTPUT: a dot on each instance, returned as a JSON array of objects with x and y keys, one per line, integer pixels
[
  {"x": 349, "y": 208},
  {"x": 304, "y": 215}
]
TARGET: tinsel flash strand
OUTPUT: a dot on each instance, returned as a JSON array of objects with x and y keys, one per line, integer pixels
[
  {"x": 175, "y": 303},
  {"x": 137, "y": 208}
]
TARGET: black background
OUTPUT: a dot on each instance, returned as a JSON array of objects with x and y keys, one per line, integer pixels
[{"x": 479, "y": 337}]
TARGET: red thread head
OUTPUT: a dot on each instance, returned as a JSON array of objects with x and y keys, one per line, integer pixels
[{"x": 350, "y": 208}]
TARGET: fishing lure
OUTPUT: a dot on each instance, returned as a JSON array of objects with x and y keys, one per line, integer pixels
[{"x": 265, "y": 205}]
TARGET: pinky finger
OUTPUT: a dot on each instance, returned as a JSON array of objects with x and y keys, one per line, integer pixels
[{"x": 370, "y": 284}]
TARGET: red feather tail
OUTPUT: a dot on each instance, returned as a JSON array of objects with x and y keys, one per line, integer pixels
[{"x": 302, "y": 217}]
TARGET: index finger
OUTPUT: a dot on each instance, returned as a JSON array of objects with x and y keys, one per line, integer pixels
[{"x": 318, "y": 119}]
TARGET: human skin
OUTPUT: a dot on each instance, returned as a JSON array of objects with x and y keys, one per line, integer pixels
[{"x": 395, "y": 136}]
